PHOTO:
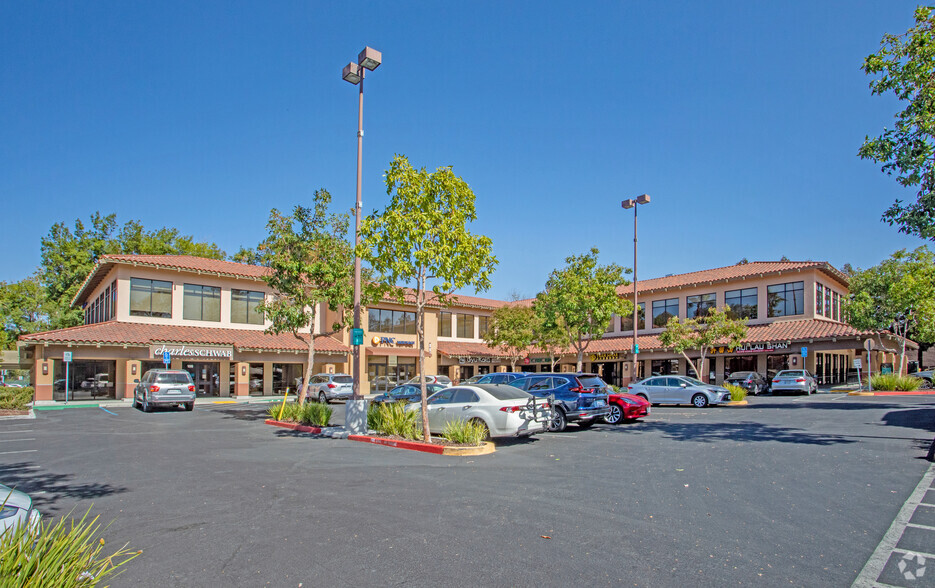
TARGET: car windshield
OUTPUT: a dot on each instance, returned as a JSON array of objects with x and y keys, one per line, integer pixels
[
  {"x": 343, "y": 380},
  {"x": 693, "y": 381},
  {"x": 591, "y": 382},
  {"x": 504, "y": 391},
  {"x": 739, "y": 376},
  {"x": 790, "y": 373},
  {"x": 173, "y": 378}
]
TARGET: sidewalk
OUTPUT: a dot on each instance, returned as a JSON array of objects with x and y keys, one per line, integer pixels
[{"x": 201, "y": 401}]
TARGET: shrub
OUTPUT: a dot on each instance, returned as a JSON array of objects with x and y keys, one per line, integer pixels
[
  {"x": 64, "y": 554},
  {"x": 895, "y": 383},
  {"x": 15, "y": 398},
  {"x": 737, "y": 393},
  {"x": 289, "y": 411},
  {"x": 471, "y": 432},
  {"x": 374, "y": 420},
  {"x": 314, "y": 414},
  {"x": 396, "y": 420}
]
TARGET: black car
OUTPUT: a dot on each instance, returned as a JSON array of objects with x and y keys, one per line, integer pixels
[
  {"x": 579, "y": 398},
  {"x": 753, "y": 382},
  {"x": 500, "y": 377},
  {"x": 407, "y": 393}
]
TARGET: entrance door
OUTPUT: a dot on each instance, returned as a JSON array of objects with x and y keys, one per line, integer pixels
[{"x": 206, "y": 377}]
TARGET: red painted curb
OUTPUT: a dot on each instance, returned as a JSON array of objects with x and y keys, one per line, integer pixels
[
  {"x": 914, "y": 393},
  {"x": 412, "y": 445},
  {"x": 294, "y": 427}
]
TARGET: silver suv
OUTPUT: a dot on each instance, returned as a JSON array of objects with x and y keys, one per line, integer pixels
[
  {"x": 161, "y": 387},
  {"x": 328, "y": 387}
]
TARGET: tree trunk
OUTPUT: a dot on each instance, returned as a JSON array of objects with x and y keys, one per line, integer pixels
[
  {"x": 513, "y": 364},
  {"x": 303, "y": 389},
  {"x": 420, "y": 334}
]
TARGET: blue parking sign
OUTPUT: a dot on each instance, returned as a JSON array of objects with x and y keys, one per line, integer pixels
[
  {"x": 166, "y": 358},
  {"x": 805, "y": 352}
]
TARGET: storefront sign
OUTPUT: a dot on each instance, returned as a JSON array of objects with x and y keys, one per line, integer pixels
[
  {"x": 604, "y": 356},
  {"x": 391, "y": 341},
  {"x": 539, "y": 360},
  {"x": 464, "y": 359},
  {"x": 752, "y": 348},
  {"x": 191, "y": 351}
]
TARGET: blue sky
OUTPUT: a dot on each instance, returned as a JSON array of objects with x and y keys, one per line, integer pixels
[{"x": 741, "y": 119}]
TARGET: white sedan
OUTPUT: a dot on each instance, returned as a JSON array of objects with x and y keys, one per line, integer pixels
[
  {"x": 505, "y": 411},
  {"x": 16, "y": 509}
]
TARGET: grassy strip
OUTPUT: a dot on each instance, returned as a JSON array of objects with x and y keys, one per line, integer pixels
[{"x": 895, "y": 383}]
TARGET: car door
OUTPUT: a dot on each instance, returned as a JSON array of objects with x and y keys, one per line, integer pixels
[
  {"x": 653, "y": 388},
  {"x": 674, "y": 390},
  {"x": 462, "y": 401},
  {"x": 436, "y": 407}
]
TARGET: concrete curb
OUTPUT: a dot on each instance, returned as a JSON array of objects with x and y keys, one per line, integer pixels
[
  {"x": 860, "y": 393},
  {"x": 333, "y": 432},
  {"x": 736, "y": 403},
  {"x": 484, "y": 449},
  {"x": 17, "y": 417}
]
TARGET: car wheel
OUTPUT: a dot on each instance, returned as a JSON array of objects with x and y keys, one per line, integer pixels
[
  {"x": 322, "y": 398},
  {"x": 615, "y": 415},
  {"x": 925, "y": 385},
  {"x": 586, "y": 424},
  {"x": 558, "y": 422},
  {"x": 189, "y": 406},
  {"x": 700, "y": 400},
  {"x": 147, "y": 407},
  {"x": 136, "y": 401},
  {"x": 644, "y": 397}
]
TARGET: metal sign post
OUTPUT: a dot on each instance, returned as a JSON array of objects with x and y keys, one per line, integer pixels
[{"x": 66, "y": 357}]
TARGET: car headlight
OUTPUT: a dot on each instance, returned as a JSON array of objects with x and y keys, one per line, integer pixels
[{"x": 7, "y": 511}]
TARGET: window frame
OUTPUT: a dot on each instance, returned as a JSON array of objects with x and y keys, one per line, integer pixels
[
  {"x": 665, "y": 304},
  {"x": 246, "y": 302},
  {"x": 703, "y": 303},
  {"x": 788, "y": 287},
  {"x": 201, "y": 307},
  {"x": 151, "y": 290},
  {"x": 743, "y": 314}
]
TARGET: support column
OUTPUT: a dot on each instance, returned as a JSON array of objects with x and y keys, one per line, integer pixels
[
  {"x": 267, "y": 378},
  {"x": 42, "y": 377},
  {"x": 224, "y": 375},
  {"x": 242, "y": 380},
  {"x": 129, "y": 378}
]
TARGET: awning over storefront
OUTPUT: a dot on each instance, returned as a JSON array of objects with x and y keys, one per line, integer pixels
[{"x": 398, "y": 352}]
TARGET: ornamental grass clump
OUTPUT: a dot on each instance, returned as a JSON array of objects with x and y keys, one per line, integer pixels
[
  {"x": 895, "y": 383},
  {"x": 290, "y": 412},
  {"x": 15, "y": 398},
  {"x": 464, "y": 432},
  {"x": 396, "y": 421},
  {"x": 374, "y": 418},
  {"x": 63, "y": 554},
  {"x": 737, "y": 393},
  {"x": 315, "y": 414}
]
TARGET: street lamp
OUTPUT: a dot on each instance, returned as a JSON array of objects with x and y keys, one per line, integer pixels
[
  {"x": 370, "y": 59},
  {"x": 632, "y": 203}
]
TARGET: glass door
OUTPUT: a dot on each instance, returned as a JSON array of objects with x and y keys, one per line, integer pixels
[{"x": 206, "y": 377}]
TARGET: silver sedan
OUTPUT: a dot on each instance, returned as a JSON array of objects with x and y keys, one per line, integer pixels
[
  {"x": 795, "y": 381},
  {"x": 679, "y": 390},
  {"x": 506, "y": 411},
  {"x": 16, "y": 509}
]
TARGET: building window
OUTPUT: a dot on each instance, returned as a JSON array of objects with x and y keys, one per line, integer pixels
[
  {"x": 663, "y": 310},
  {"x": 829, "y": 303},
  {"x": 201, "y": 303},
  {"x": 743, "y": 303},
  {"x": 444, "y": 324},
  {"x": 150, "y": 298},
  {"x": 465, "y": 326},
  {"x": 837, "y": 307},
  {"x": 483, "y": 325},
  {"x": 626, "y": 322},
  {"x": 698, "y": 306},
  {"x": 243, "y": 307},
  {"x": 113, "y": 300},
  {"x": 399, "y": 322},
  {"x": 786, "y": 299},
  {"x": 664, "y": 367},
  {"x": 819, "y": 299},
  {"x": 612, "y": 325}
]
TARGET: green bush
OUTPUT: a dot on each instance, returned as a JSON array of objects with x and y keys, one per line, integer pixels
[
  {"x": 289, "y": 411},
  {"x": 471, "y": 432},
  {"x": 315, "y": 414},
  {"x": 396, "y": 420},
  {"x": 374, "y": 420},
  {"x": 15, "y": 398},
  {"x": 62, "y": 554},
  {"x": 895, "y": 383},
  {"x": 737, "y": 393}
]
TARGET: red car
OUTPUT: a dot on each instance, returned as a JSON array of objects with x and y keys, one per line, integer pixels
[{"x": 626, "y": 407}]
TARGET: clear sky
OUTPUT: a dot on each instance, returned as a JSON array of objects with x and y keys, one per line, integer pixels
[{"x": 741, "y": 119}]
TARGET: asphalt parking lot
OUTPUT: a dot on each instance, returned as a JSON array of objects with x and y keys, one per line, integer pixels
[{"x": 787, "y": 491}]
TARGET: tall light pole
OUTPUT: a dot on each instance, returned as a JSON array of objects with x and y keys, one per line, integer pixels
[
  {"x": 354, "y": 73},
  {"x": 633, "y": 203}
]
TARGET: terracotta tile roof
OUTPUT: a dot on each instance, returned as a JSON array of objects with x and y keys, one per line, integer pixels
[
  {"x": 458, "y": 300},
  {"x": 752, "y": 269},
  {"x": 458, "y": 348},
  {"x": 138, "y": 334}
]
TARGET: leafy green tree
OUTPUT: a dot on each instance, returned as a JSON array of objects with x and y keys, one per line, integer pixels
[
  {"x": 583, "y": 298},
  {"x": 421, "y": 239},
  {"x": 23, "y": 310},
  {"x": 311, "y": 263},
  {"x": 250, "y": 256},
  {"x": 703, "y": 333},
  {"x": 549, "y": 332},
  {"x": 896, "y": 295},
  {"x": 511, "y": 331},
  {"x": 905, "y": 67}
]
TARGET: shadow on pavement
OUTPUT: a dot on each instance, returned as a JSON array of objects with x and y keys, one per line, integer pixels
[
  {"x": 915, "y": 418},
  {"x": 744, "y": 432},
  {"x": 245, "y": 413},
  {"x": 24, "y": 476},
  {"x": 824, "y": 405}
]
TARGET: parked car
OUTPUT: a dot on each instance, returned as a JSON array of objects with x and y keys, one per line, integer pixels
[
  {"x": 500, "y": 377},
  {"x": 16, "y": 509},
  {"x": 679, "y": 390},
  {"x": 444, "y": 380},
  {"x": 407, "y": 393},
  {"x": 926, "y": 377},
  {"x": 795, "y": 381},
  {"x": 753, "y": 382},
  {"x": 504, "y": 410},
  {"x": 328, "y": 387},
  {"x": 578, "y": 398},
  {"x": 625, "y": 407},
  {"x": 162, "y": 387},
  {"x": 383, "y": 383}
]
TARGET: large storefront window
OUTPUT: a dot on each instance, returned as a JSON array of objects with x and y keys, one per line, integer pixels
[
  {"x": 385, "y": 372},
  {"x": 201, "y": 303},
  {"x": 665, "y": 367},
  {"x": 776, "y": 363},
  {"x": 663, "y": 310},
  {"x": 744, "y": 363},
  {"x": 150, "y": 298},
  {"x": 256, "y": 379},
  {"x": 244, "y": 307},
  {"x": 399, "y": 322},
  {"x": 87, "y": 380},
  {"x": 786, "y": 299},
  {"x": 698, "y": 306},
  {"x": 626, "y": 322},
  {"x": 743, "y": 303},
  {"x": 444, "y": 324},
  {"x": 286, "y": 375},
  {"x": 206, "y": 377}
]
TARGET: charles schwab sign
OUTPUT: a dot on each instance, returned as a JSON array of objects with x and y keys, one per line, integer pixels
[{"x": 191, "y": 351}]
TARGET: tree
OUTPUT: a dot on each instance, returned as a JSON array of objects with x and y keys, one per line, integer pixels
[
  {"x": 549, "y": 333},
  {"x": 511, "y": 331},
  {"x": 250, "y": 256},
  {"x": 702, "y": 333},
  {"x": 421, "y": 239},
  {"x": 311, "y": 263},
  {"x": 583, "y": 296},
  {"x": 896, "y": 295},
  {"x": 23, "y": 310},
  {"x": 905, "y": 67}
]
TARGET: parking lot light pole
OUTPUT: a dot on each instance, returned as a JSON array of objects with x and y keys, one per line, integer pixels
[
  {"x": 633, "y": 203},
  {"x": 354, "y": 73}
]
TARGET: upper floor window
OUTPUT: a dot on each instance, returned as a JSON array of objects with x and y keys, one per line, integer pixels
[
  {"x": 626, "y": 322},
  {"x": 201, "y": 303},
  {"x": 444, "y": 324},
  {"x": 113, "y": 299},
  {"x": 786, "y": 299},
  {"x": 150, "y": 298},
  {"x": 743, "y": 303},
  {"x": 466, "y": 326},
  {"x": 244, "y": 307},
  {"x": 837, "y": 306},
  {"x": 697, "y": 306},
  {"x": 612, "y": 325},
  {"x": 383, "y": 320},
  {"x": 829, "y": 303},
  {"x": 819, "y": 299},
  {"x": 483, "y": 323},
  {"x": 663, "y": 310}
]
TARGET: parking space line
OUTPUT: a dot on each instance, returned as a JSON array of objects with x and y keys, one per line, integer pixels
[
  {"x": 107, "y": 411},
  {"x": 26, "y": 431},
  {"x": 918, "y": 526},
  {"x": 915, "y": 552},
  {"x": 874, "y": 567},
  {"x": 22, "y": 451},
  {"x": 14, "y": 440}
]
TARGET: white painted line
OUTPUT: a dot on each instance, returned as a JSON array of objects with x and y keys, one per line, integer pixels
[
  {"x": 918, "y": 526},
  {"x": 922, "y": 553},
  {"x": 926, "y": 504},
  {"x": 23, "y": 451},
  {"x": 874, "y": 567},
  {"x": 26, "y": 431},
  {"x": 14, "y": 440}
]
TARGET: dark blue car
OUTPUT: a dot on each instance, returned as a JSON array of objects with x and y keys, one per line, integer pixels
[
  {"x": 500, "y": 378},
  {"x": 579, "y": 398},
  {"x": 407, "y": 393}
]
